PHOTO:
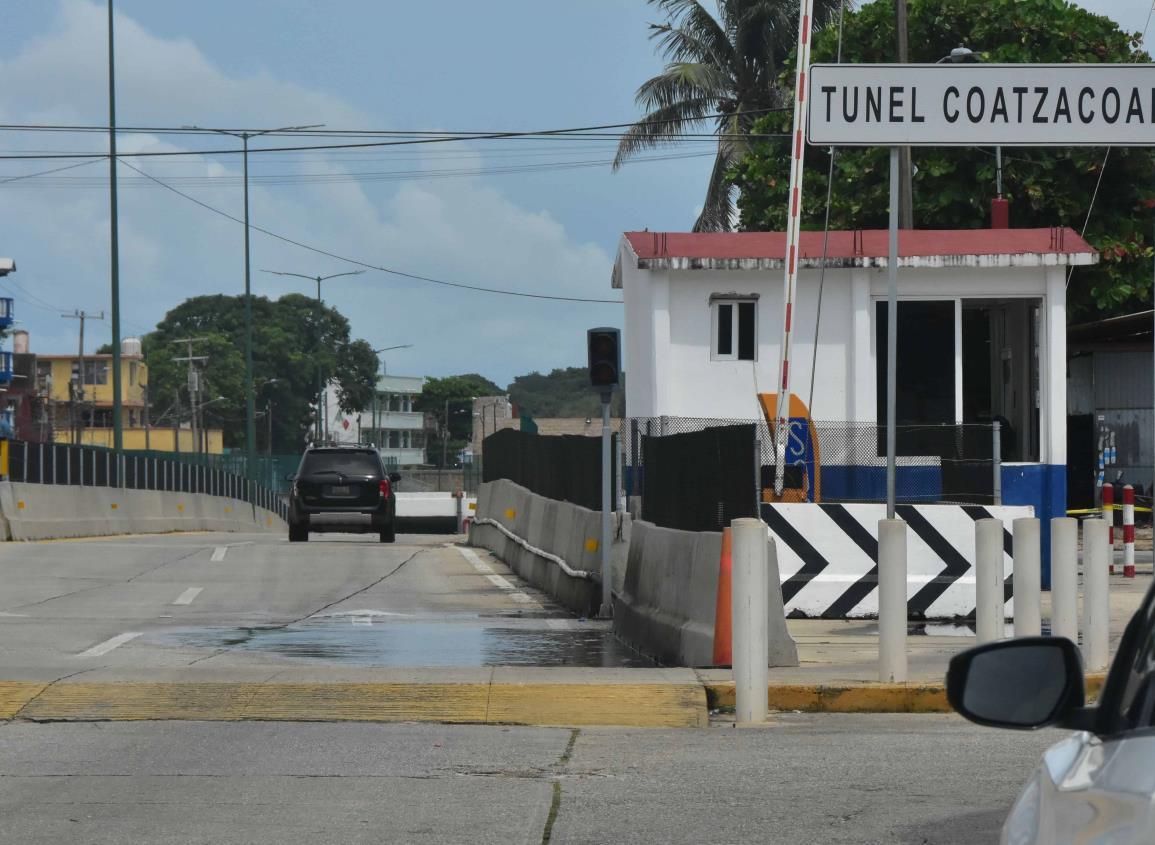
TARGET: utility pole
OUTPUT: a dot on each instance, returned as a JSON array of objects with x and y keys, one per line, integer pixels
[
  {"x": 78, "y": 391},
  {"x": 194, "y": 387},
  {"x": 117, "y": 399},
  {"x": 906, "y": 190}
]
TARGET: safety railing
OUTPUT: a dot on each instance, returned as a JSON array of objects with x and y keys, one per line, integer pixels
[{"x": 94, "y": 466}]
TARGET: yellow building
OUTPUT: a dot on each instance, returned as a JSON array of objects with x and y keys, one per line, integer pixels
[{"x": 79, "y": 398}]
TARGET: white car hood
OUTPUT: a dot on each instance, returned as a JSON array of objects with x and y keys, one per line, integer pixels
[{"x": 1086, "y": 791}]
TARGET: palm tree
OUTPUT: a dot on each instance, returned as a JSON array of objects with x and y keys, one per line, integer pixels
[{"x": 723, "y": 69}]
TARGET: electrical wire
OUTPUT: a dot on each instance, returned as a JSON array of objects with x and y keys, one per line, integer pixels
[
  {"x": 333, "y": 178},
  {"x": 437, "y": 138},
  {"x": 365, "y": 264}
]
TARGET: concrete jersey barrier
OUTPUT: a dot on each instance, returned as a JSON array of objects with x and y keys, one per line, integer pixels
[
  {"x": 50, "y": 511},
  {"x": 534, "y": 524},
  {"x": 667, "y": 605}
]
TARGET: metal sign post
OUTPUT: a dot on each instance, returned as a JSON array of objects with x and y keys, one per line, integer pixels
[
  {"x": 607, "y": 505},
  {"x": 892, "y": 335}
]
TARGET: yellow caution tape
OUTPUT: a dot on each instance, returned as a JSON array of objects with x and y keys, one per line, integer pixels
[{"x": 1076, "y": 511}]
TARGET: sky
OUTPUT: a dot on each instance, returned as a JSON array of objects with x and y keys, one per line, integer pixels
[{"x": 449, "y": 211}]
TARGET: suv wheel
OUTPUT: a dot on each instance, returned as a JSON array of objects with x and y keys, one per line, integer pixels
[{"x": 298, "y": 533}]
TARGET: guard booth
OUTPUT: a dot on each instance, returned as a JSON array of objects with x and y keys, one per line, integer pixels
[{"x": 981, "y": 337}]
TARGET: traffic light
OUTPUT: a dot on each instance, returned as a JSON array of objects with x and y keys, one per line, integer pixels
[{"x": 605, "y": 358}]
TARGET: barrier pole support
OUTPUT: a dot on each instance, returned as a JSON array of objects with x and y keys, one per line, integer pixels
[
  {"x": 1096, "y": 603},
  {"x": 892, "y": 608},
  {"x": 607, "y": 609},
  {"x": 997, "y": 462},
  {"x": 1027, "y": 578},
  {"x": 989, "y": 615},
  {"x": 1128, "y": 531},
  {"x": 750, "y": 635},
  {"x": 1065, "y": 578}
]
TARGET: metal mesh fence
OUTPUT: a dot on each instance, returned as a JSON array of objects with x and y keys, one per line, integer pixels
[
  {"x": 93, "y": 466},
  {"x": 832, "y": 461}
]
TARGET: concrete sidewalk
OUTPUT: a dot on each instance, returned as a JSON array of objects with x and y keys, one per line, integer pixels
[{"x": 838, "y": 668}]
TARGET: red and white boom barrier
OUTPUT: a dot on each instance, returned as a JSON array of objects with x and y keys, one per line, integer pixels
[{"x": 1128, "y": 531}]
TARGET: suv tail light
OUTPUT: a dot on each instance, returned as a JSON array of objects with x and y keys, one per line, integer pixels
[{"x": 384, "y": 488}]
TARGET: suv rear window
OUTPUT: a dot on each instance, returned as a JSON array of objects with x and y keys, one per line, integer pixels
[{"x": 346, "y": 462}]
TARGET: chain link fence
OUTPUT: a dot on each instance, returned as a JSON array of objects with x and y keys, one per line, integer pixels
[
  {"x": 94, "y": 466},
  {"x": 845, "y": 462}
]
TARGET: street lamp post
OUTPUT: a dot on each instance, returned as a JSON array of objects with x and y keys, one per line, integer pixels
[
  {"x": 321, "y": 429},
  {"x": 250, "y": 399},
  {"x": 114, "y": 251}
]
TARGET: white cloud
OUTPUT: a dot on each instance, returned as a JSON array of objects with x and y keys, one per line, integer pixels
[{"x": 461, "y": 229}]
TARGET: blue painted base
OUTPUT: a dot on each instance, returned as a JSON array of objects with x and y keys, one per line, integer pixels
[{"x": 1043, "y": 486}]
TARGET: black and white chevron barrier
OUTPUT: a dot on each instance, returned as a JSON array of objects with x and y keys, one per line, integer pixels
[{"x": 828, "y": 557}]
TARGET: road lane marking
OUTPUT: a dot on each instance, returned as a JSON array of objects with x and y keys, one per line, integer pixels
[
  {"x": 485, "y": 569},
  {"x": 188, "y": 595},
  {"x": 108, "y": 645},
  {"x": 219, "y": 554},
  {"x": 13, "y": 615}
]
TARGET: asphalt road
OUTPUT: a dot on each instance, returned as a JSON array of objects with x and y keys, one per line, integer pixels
[
  {"x": 930, "y": 780},
  {"x": 223, "y": 601}
]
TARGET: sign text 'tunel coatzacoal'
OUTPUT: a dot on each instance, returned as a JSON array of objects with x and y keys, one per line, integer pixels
[{"x": 980, "y": 104}]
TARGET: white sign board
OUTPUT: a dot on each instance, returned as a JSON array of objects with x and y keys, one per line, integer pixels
[{"x": 982, "y": 105}]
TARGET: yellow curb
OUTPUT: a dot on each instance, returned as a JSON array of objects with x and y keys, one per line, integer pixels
[
  {"x": 14, "y": 695},
  {"x": 632, "y": 705},
  {"x": 627, "y": 705},
  {"x": 861, "y": 698}
]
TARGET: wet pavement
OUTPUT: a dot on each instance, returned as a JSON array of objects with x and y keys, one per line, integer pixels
[{"x": 377, "y": 639}]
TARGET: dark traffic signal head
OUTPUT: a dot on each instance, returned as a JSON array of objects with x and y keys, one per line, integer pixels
[{"x": 605, "y": 358}]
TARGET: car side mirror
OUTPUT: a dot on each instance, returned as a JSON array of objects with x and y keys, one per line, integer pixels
[
  {"x": 394, "y": 477},
  {"x": 1023, "y": 684}
]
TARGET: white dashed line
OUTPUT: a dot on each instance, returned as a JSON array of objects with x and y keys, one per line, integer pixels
[
  {"x": 108, "y": 645},
  {"x": 188, "y": 595},
  {"x": 485, "y": 569},
  {"x": 219, "y": 553}
]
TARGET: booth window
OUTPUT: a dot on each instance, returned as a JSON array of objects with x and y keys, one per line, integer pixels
[
  {"x": 735, "y": 330},
  {"x": 925, "y": 376}
]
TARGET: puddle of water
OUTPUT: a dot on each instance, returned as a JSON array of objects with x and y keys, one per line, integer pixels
[{"x": 409, "y": 644}]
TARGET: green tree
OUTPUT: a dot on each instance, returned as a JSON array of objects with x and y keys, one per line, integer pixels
[
  {"x": 455, "y": 395},
  {"x": 953, "y": 186},
  {"x": 564, "y": 392},
  {"x": 295, "y": 344},
  {"x": 723, "y": 70}
]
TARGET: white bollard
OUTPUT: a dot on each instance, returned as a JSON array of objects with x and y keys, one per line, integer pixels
[
  {"x": 1065, "y": 578},
  {"x": 1028, "y": 574},
  {"x": 1096, "y": 602},
  {"x": 989, "y": 606},
  {"x": 750, "y": 632},
  {"x": 892, "y": 608}
]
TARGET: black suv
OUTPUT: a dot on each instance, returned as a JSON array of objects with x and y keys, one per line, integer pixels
[{"x": 342, "y": 489}]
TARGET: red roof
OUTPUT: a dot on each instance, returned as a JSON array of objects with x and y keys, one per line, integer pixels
[{"x": 861, "y": 244}]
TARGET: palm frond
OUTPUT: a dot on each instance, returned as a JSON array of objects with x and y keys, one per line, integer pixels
[
  {"x": 685, "y": 81},
  {"x": 655, "y": 128},
  {"x": 693, "y": 33},
  {"x": 718, "y": 208}
]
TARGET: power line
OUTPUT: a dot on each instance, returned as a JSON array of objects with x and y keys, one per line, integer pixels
[
  {"x": 331, "y": 178},
  {"x": 407, "y": 139},
  {"x": 366, "y": 264}
]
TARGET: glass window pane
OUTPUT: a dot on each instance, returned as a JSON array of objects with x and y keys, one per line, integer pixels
[
  {"x": 725, "y": 329},
  {"x": 746, "y": 333}
]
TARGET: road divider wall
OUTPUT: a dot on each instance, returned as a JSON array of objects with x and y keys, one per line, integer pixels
[
  {"x": 668, "y": 602},
  {"x": 47, "y": 511},
  {"x": 553, "y": 545}
]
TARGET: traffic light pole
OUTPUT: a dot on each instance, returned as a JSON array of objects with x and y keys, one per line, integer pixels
[{"x": 607, "y": 503}]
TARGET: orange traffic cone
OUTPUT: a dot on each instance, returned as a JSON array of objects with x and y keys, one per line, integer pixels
[{"x": 723, "y": 625}]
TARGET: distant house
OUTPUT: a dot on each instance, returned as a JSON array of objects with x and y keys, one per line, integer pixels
[
  {"x": 390, "y": 423},
  {"x": 981, "y": 335}
]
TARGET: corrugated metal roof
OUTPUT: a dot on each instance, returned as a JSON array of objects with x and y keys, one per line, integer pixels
[{"x": 1057, "y": 246}]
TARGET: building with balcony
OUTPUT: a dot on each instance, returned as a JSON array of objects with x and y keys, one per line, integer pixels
[{"x": 390, "y": 423}]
